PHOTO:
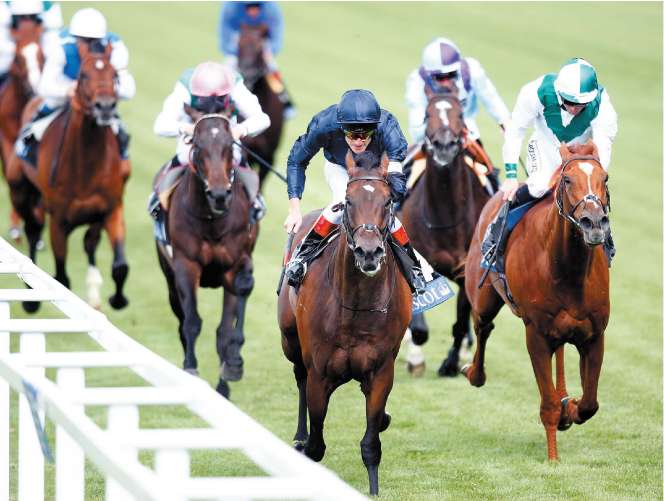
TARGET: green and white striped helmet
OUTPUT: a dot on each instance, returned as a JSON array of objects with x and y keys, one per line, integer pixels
[{"x": 577, "y": 81}]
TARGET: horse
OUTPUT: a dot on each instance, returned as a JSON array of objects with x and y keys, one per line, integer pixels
[
  {"x": 211, "y": 243},
  {"x": 350, "y": 314},
  {"x": 255, "y": 72},
  {"x": 441, "y": 211},
  {"x": 78, "y": 178},
  {"x": 557, "y": 280},
  {"x": 19, "y": 87}
]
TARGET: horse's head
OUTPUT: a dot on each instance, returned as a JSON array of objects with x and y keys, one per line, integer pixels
[
  {"x": 368, "y": 211},
  {"x": 211, "y": 159},
  {"x": 582, "y": 194},
  {"x": 26, "y": 32},
  {"x": 250, "y": 55},
  {"x": 445, "y": 128},
  {"x": 95, "y": 92}
]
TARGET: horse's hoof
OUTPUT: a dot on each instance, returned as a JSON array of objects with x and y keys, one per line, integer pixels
[
  {"x": 387, "y": 419},
  {"x": 299, "y": 445},
  {"x": 232, "y": 372},
  {"x": 118, "y": 302},
  {"x": 416, "y": 370},
  {"x": 192, "y": 371},
  {"x": 419, "y": 336},
  {"x": 15, "y": 234},
  {"x": 565, "y": 422},
  {"x": 224, "y": 389},
  {"x": 31, "y": 306},
  {"x": 243, "y": 283},
  {"x": 464, "y": 369},
  {"x": 314, "y": 454},
  {"x": 448, "y": 369}
]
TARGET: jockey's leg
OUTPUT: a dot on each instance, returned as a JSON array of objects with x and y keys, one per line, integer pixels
[
  {"x": 413, "y": 270},
  {"x": 276, "y": 83},
  {"x": 251, "y": 182},
  {"x": 30, "y": 135}
]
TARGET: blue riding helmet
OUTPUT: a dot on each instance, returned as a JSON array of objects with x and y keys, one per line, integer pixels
[{"x": 358, "y": 107}]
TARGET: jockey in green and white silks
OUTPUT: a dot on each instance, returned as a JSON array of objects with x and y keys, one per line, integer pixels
[{"x": 568, "y": 107}]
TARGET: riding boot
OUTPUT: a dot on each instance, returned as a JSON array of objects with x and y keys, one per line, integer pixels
[
  {"x": 609, "y": 248},
  {"x": 27, "y": 143},
  {"x": 494, "y": 179},
  {"x": 297, "y": 266},
  {"x": 417, "y": 281},
  {"x": 251, "y": 183},
  {"x": 123, "y": 141},
  {"x": 276, "y": 83}
]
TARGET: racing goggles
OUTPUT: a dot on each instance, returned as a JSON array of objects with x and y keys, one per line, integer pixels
[
  {"x": 441, "y": 77},
  {"x": 211, "y": 104},
  {"x": 570, "y": 104},
  {"x": 16, "y": 19},
  {"x": 362, "y": 133}
]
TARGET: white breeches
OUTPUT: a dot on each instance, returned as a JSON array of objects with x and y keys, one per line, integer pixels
[{"x": 542, "y": 159}]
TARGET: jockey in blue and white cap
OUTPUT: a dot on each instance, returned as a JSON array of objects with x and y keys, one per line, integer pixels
[
  {"x": 47, "y": 14},
  {"x": 568, "y": 107},
  {"x": 60, "y": 75},
  {"x": 356, "y": 122},
  {"x": 443, "y": 67},
  {"x": 233, "y": 16},
  {"x": 213, "y": 87}
]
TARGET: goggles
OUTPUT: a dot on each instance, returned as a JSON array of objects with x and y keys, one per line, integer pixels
[
  {"x": 363, "y": 134},
  {"x": 16, "y": 19},
  {"x": 572, "y": 103},
  {"x": 441, "y": 77},
  {"x": 211, "y": 104}
]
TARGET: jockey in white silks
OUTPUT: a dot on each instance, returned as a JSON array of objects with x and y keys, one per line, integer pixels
[
  {"x": 568, "y": 107},
  {"x": 213, "y": 88}
]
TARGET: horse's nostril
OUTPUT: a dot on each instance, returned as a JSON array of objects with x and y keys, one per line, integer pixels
[
  {"x": 586, "y": 223},
  {"x": 359, "y": 252},
  {"x": 604, "y": 223}
]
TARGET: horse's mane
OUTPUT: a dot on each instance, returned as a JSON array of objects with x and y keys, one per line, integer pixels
[
  {"x": 581, "y": 149},
  {"x": 367, "y": 160}
]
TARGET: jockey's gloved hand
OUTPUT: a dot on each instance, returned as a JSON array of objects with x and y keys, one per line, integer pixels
[{"x": 397, "y": 182}]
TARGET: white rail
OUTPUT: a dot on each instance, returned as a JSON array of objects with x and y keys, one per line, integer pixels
[{"x": 115, "y": 450}]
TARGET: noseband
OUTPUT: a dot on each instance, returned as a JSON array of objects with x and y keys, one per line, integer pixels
[
  {"x": 588, "y": 198},
  {"x": 350, "y": 230}
]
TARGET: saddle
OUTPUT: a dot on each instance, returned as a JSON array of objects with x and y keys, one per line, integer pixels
[{"x": 166, "y": 180}]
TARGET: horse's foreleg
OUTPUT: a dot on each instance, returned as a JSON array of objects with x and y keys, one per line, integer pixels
[
  {"x": 450, "y": 366},
  {"x": 187, "y": 277},
  {"x": 475, "y": 371},
  {"x": 301, "y": 434},
  {"x": 93, "y": 279},
  {"x": 550, "y": 405},
  {"x": 230, "y": 337},
  {"x": 590, "y": 365},
  {"x": 115, "y": 227},
  {"x": 59, "y": 232},
  {"x": 34, "y": 227},
  {"x": 318, "y": 396},
  {"x": 376, "y": 391},
  {"x": 561, "y": 389}
]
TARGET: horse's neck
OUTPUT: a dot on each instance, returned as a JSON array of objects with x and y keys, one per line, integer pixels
[
  {"x": 451, "y": 183},
  {"x": 84, "y": 141}
]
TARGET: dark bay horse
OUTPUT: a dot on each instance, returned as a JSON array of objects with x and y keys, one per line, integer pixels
[
  {"x": 78, "y": 175},
  {"x": 558, "y": 277},
  {"x": 254, "y": 69},
  {"x": 441, "y": 212},
  {"x": 18, "y": 89},
  {"x": 211, "y": 241},
  {"x": 350, "y": 314}
]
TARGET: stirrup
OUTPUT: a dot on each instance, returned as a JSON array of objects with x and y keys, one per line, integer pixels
[{"x": 296, "y": 269}]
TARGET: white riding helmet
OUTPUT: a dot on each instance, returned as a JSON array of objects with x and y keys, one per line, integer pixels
[
  {"x": 88, "y": 23},
  {"x": 26, "y": 7},
  {"x": 441, "y": 56},
  {"x": 212, "y": 79},
  {"x": 576, "y": 81}
]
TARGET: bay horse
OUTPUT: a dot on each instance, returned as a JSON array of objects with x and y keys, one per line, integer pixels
[
  {"x": 441, "y": 211},
  {"x": 19, "y": 87},
  {"x": 211, "y": 243},
  {"x": 255, "y": 72},
  {"x": 78, "y": 177},
  {"x": 558, "y": 283},
  {"x": 350, "y": 314}
]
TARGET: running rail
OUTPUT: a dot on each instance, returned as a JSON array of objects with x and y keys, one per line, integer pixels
[{"x": 114, "y": 450}]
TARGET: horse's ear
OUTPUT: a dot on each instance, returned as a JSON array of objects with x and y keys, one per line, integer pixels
[
  {"x": 564, "y": 151},
  {"x": 193, "y": 113},
  {"x": 384, "y": 164},
  {"x": 594, "y": 151},
  {"x": 351, "y": 166}
]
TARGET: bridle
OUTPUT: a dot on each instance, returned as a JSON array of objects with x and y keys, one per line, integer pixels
[
  {"x": 352, "y": 230},
  {"x": 428, "y": 143},
  {"x": 81, "y": 100},
  {"x": 590, "y": 197}
]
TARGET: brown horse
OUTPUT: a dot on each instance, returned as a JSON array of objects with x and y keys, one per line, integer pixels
[
  {"x": 211, "y": 245},
  {"x": 441, "y": 212},
  {"x": 350, "y": 314},
  {"x": 78, "y": 177},
  {"x": 558, "y": 279},
  {"x": 18, "y": 89},
  {"x": 254, "y": 69}
]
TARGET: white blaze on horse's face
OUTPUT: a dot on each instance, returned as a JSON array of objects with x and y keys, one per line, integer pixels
[
  {"x": 443, "y": 106},
  {"x": 369, "y": 188},
  {"x": 214, "y": 131},
  {"x": 588, "y": 168},
  {"x": 99, "y": 64}
]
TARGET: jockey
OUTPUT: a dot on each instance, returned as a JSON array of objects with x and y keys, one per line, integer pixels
[
  {"x": 443, "y": 68},
  {"x": 213, "y": 88},
  {"x": 233, "y": 16},
  {"x": 569, "y": 107},
  {"x": 47, "y": 14},
  {"x": 358, "y": 123},
  {"x": 59, "y": 79}
]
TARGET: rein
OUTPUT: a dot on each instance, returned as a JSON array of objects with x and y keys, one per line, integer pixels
[
  {"x": 350, "y": 231},
  {"x": 569, "y": 216}
]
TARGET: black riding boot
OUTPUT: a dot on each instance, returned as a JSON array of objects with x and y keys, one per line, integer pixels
[
  {"x": 297, "y": 266},
  {"x": 409, "y": 265},
  {"x": 123, "y": 141},
  {"x": 609, "y": 248}
]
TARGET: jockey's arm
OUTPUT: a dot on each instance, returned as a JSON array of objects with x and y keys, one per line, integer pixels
[
  {"x": 52, "y": 18},
  {"x": 604, "y": 129},
  {"x": 395, "y": 144},
  {"x": 172, "y": 116},
  {"x": 416, "y": 102},
  {"x": 487, "y": 93},
  {"x": 126, "y": 87},
  {"x": 54, "y": 85},
  {"x": 256, "y": 120},
  {"x": 303, "y": 150}
]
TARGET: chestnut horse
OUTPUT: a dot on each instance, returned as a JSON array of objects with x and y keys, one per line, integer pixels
[
  {"x": 20, "y": 86},
  {"x": 211, "y": 244},
  {"x": 441, "y": 212},
  {"x": 350, "y": 314},
  {"x": 558, "y": 279},
  {"x": 78, "y": 177},
  {"x": 253, "y": 68}
]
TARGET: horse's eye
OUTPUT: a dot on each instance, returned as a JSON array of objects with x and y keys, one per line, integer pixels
[
  {"x": 567, "y": 180},
  {"x": 348, "y": 204}
]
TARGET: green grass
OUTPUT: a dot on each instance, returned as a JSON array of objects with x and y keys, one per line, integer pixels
[{"x": 447, "y": 439}]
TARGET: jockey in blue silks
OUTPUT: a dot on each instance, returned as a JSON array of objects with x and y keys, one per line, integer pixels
[
  {"x": 233, "y": 16},
  {"x": 359, "y": 124}
]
